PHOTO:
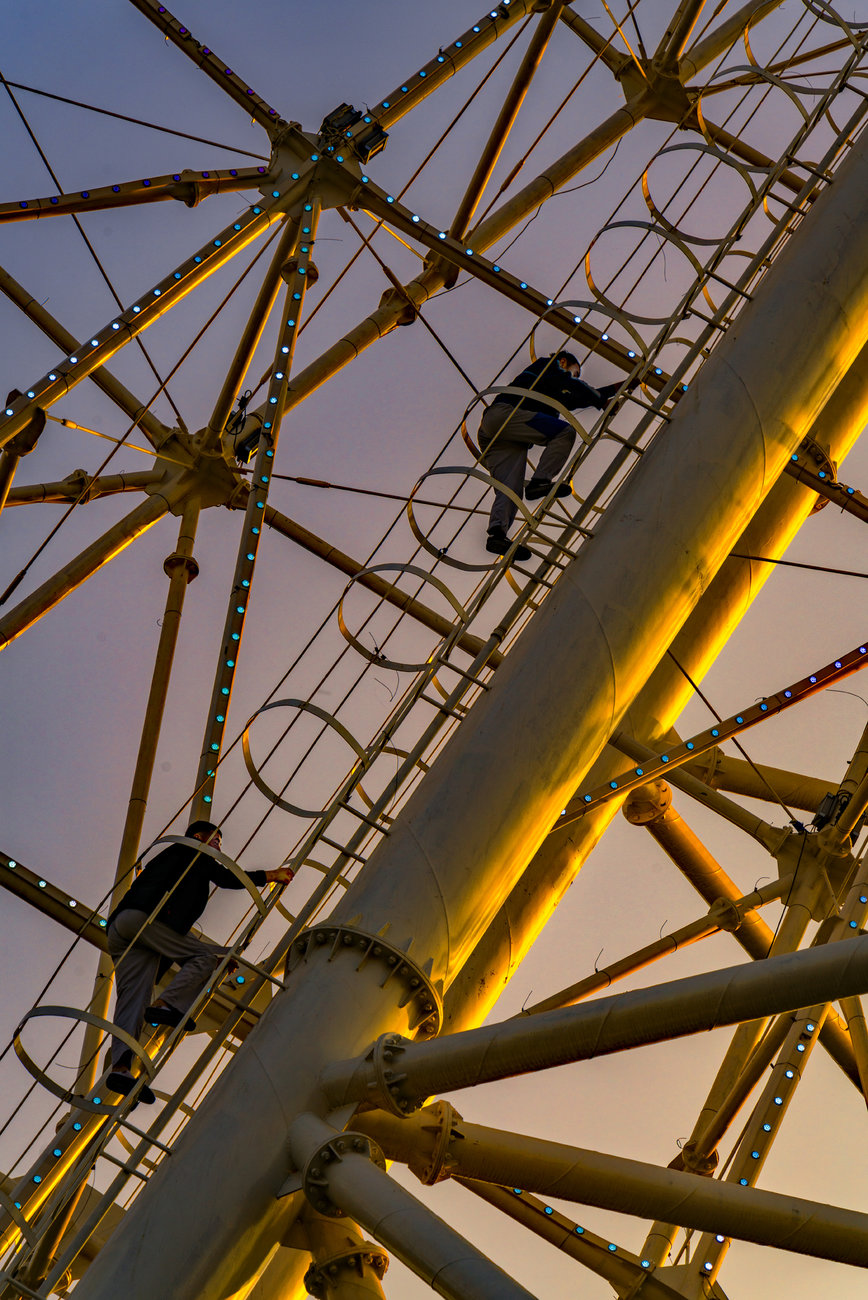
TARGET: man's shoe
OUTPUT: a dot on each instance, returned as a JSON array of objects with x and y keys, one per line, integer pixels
[
  {"x": 541, "y": 487},
  {"x": 498, "y": 543},
  {"x": 168, "y": 1016},
  {"x": 124, "y": 1084}
]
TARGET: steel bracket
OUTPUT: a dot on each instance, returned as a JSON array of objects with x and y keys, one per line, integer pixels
[{"x": 315, "y": 1175}]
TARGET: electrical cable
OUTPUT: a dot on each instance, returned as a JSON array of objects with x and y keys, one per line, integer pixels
[
  {"x": 776, "y": 797},
  {"x": 90, "y": 248},
  {"x": 137, "y": 121}
]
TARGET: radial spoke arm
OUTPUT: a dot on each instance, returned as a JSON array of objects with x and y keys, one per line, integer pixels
[
  {"x": 187, "y": 186},
  {"x": 505, "y": 119},
  {"x": 723, "y": 37},
  {"x": 92, "y": 352},
  {"x": 601, "y": 45},
  {"x": 72, "y": 487},
  {"x": 678, "y": 32},
  {"x": 211, "y": 65},
  {"x": 153, "y": 429}
]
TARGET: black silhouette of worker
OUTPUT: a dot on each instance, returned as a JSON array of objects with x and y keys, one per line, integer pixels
[
  {"x": 513, "y": 424},
  {"x": 149, "y": 929}
]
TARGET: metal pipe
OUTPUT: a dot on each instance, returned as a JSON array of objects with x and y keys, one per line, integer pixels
[
  {"x": 621, "y": 1269},
  {"x": 67, "y": 490},
  {"x": 636, "y": 1188},
  {"x": 758, "y": 780},
  {"x": 343, "y": 1265},
  {"x": 153, "y": 429},
  {"x": 602, "y": 46},
  {"x": 768, "y": 836},
  {"x": 8, "y": 465},
  {"x": 408, "y": 1071},
  {"x": 387, "y": 591},
  {"x": 181, "y": 569},
  {"x": 250, "y": 336},
  {"x": 90, "y": 560},
  {"x": 723, "y": 37},
  {"x": 695, "y": 862},
  {"x": 506, "y": 117},
  {"x": 300, "y": 276},
  {"x": 413, "y": 1233},
  {"x": 855, "y": 1015},
  {"x": 677, "y": 34},
  {"x": 725, "y": 915},
  {"x": 834, "y": 492}
]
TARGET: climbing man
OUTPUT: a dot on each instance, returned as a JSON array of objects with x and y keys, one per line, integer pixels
[
  {"x": 150, "y": 927},
  {"x": 513, "y": 424}
]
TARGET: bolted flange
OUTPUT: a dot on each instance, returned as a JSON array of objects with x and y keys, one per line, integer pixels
[
  {"x": 418, "y": 990},
  {"x": 321, "y": 1278},
  {"x": 315, "y": 1175}
]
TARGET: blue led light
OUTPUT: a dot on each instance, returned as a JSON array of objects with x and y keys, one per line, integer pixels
[
  {"x": 441, "y": 58},
  {"x": 548, "y": 1209},
  {"x": 386, "y": 103},
  {"x": 41, "y": 884},
  {"x": 256, "y": 211},
  {"x": 51, "y": 376},
  {"x": 404, "y": 89},
  {"x": 664, "y": 758},
  {"x": 812, "y": 679},
  {"x": 800, "y": 1047},
  {"x": 30, "y": 392},
  {"x": 690, "y": 745},
  {"x": 215, "y": 746},
  {"x": 77, "y": 1126},
  {"x": 743, "y": 1182},
  {"x": 12, "y": 863},
  {"x": 220, "y": 717},
  {"x": 809, "y": 1027},
  {"x": 103, "y": 923},
  {"x": 714, "y": 731},
  {"x": 754, "y": 1155},
  {"x": 580, "y": 1232},
  {"x": 779, "y": 1101},
  {"x": 853, "y": 925},
  {"x": 611, "y": 1246},
  {"x": 550, "y": 302},
  {"x": 275, "y": 194},
  {"x": 788, "y": 695},
  {"x": 414, "y": 217},
  {"x": 37, "y": 1178},
  {"x": 239, "y": 609},
  {"x": 73, "y": 360},
  {"x": 260, "y": 505},
  {"x": 206, "y": 798},
  {"x": 837, "y": 663},
  {"x": 640, "y": 771},
  {"x": 631, "y": 354},
  {"x": 224, "y": 690},
  {"x": 739, "y": 719},
  {"x": 789, "y": 1074},
  {"x": 613, "y": 785},
  {"x": 230, "y": 663},
  {"x": 720, "y": 1237},
  {"x": 495, "y": 267},
  {"x": 767, "y": 1128},
  {"x": 604, "y": 337},
  {"x": 254, "y": 529},
  {"x": 517, "y": 1191},
  {"x": 587, "y": 798},
  {"x": 235, "y": 636},
  {"x": 707, "y": 1266},
  {"x": 239, "y": 979},
  {"x": 469, "y": 252},
  {"x": 863, "y": 899}
]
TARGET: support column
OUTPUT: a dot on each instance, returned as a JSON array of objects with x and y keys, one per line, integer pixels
[{"x": 347, "y": 1174}]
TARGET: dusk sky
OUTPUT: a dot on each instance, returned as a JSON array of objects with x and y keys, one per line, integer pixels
[{"x": 74, "y": 685}]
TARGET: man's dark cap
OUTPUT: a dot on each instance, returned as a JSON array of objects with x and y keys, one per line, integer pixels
[{"x": 197, "y": 828}]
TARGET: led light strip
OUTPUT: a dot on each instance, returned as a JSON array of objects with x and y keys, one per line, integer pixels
[{"x": 705, "y": 740}]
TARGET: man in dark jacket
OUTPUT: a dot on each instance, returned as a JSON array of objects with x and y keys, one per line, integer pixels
[
  {"x": 151, "y": 925},
  {"x": 513, "y": 424}
]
